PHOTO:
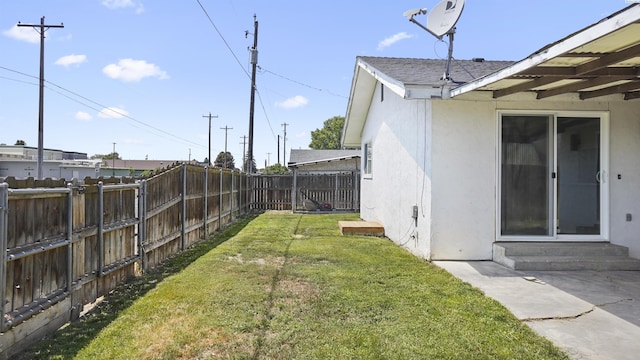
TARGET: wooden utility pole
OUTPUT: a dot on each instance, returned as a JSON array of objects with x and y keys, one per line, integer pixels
[
  {"x": 254, "y": 63},
  {"x": 284, "y": 145},
  {"x": 226, "y": 159},
  {"x": 42, "y": 28},
  {"x": 209, "y": 116},
  {"x": 244, "y": 154}
]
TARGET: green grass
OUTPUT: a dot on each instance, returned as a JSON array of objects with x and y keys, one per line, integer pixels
[{"x": 286, "y": 286}]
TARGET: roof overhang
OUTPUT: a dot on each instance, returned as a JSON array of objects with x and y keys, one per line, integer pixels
[
  {"x": 600, "y": 60},
  {"x": 365, "y": 79},
  {"x": 323, "y": 161}
]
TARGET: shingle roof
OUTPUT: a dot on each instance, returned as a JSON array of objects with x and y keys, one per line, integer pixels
[
  {"x": 430, "y": 71},
  {"x": 305, "y": 155}
]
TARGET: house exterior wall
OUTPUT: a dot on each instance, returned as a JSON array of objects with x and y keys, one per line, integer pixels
[
  {"x": 453, "y": 146},
  {"x": 399, "y": 132},
  {"x": 464, "y": 180}
]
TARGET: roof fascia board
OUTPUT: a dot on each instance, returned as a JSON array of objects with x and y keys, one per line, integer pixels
[
  {"x": 391, "y": 83},
  {"x": 581, "y": 38},
  {"x": 355, "y": 117},
  {"x": 313, "y": 162}
]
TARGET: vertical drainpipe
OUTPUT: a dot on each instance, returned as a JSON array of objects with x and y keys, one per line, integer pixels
[
  {"x": 69, "y": 237},
  {"x": 184, "y": 205},
  {"x": 220, "y": 203},
  {"x": 100, "y": 228},
  {"x": 142, "y": 224},
  {"x": 4, "y": 219},
  {"x": 206, "y": 201}
]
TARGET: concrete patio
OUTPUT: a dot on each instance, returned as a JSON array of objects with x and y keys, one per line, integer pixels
[{"x": 589, "y": 314}]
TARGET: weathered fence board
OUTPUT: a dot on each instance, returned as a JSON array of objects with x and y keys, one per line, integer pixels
[{"x": 64, "y": 246}]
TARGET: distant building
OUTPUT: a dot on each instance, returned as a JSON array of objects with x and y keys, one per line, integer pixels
[
  {"x": 324, "y": 160},
  {"x": 20, "y": 161}
]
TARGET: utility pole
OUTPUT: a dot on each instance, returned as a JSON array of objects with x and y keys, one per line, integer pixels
[
  {"x": 278, "y": 148},
  {"x": 42, "y": 28},
  {"x": 209, "y": 116},
  {"x": 284, "y": 145},
  {"x": 244, "y": 155},
  {"x": 268, "y": 159},
  {"x": 226, "y": 159},
  {"x": 254, "y": 63},
  {"x": 113, "y": 161}
]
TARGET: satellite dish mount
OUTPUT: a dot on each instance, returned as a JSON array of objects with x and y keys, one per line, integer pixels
[{"x": 441, "y": 21}]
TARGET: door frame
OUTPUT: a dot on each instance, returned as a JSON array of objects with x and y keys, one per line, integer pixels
[{"x": 604, "y": 176}]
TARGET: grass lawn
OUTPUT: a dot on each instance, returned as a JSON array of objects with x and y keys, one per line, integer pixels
[{"x": 285, "y": 286}]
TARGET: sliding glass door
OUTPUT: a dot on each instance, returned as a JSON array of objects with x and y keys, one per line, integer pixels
[{"x": 551, "y": 176}]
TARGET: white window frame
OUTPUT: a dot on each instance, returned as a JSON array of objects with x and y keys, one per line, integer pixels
[{"x": 368, "y": 160}]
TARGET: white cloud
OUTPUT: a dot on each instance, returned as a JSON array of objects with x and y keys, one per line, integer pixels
[
  {"x": 23, "y": 33},
  {"x": 302, "y": 134},
  {"x": 121, "y": 4},
  {"x": 393, "y": 39},
  {"x": 130, "y": 70},
  {"x": 83, "y": 116},
  {"x": 112, "y": 113},
  {"x": 294, "y": 102},
  {"x": 72, "y": 59}
]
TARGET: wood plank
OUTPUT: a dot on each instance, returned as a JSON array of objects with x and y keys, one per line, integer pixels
[{"x": 361, "y": 228}]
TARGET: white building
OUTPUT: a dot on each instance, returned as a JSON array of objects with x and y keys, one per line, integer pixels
[{"x": 540, "y": 150}]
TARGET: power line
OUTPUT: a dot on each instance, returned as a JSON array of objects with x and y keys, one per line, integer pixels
[
  {"x": 223, "y": 39},
  {"x": 157, "y": 131},
  {"x": 301, "y": 83}
]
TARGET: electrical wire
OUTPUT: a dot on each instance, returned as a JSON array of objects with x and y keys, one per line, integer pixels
[
  {"x": 301, "y": 83},
  {"x": 223, "y": 39},
  {"x": 53, "y": 87}
]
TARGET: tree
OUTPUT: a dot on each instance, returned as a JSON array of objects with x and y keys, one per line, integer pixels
[
  {"x": 224, "y": 160},
  {"x": 276, "y": 169},
  {"x": 21, "y": 142},
  {"x": 106, "y": 157},
  {"x": 245, "y": 166},
  {"x": 328, "y": 138}
]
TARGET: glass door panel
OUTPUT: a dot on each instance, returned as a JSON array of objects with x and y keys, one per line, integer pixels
[
  {"x": 579, "y": 173},
  {"x": 526, "y": 175}
]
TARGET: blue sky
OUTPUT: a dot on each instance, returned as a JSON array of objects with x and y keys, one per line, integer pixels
[{"x": 143, "y": 73}]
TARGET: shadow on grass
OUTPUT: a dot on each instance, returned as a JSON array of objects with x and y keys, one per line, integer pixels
[{"x": 67, "y": 341}]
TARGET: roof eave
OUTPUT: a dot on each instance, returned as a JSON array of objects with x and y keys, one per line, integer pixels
[{"x": 576, "y": 40}]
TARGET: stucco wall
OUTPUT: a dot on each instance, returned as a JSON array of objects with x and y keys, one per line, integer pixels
[
  {"x": 625, "y": 161},
  {"x": 464, "y": 178},
  {"x": 458, "y": 140},
  {"x": 399, "y": 132}
]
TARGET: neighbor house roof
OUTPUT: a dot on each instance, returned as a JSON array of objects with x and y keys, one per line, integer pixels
[{"x": 305, "y": 156}]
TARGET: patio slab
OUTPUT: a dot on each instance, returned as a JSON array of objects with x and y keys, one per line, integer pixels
[{"x": 589, "y": 314}]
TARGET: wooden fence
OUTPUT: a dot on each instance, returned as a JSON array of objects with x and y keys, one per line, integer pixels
[
  {"x": 301, "y": 190},
  {"x": 68, "y": 245}
]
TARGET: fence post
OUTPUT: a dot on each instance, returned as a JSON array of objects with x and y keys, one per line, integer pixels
[
  {"x": 4, "y": 220},
  {"x": 232, "y": 196},
  {"x": 100, "y": 228},
  {"x": 206, "y": 202},
  {"x": 70, "y": 237},
  {"x": 142, "y": 225},
  {"x": 184, "y": 204},
  {"x": 294, "y": 196},
  {"x": 356, "y": 192},
  {"x": 220, "y": 202}
]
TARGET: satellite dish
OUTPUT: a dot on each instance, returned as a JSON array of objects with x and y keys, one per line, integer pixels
[{"x": 444, "y": 16}]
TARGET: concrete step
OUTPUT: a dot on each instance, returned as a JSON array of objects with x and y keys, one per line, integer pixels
[
  {"x": 563, "y": 256},
  {"x": 560, "y": 249}
]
